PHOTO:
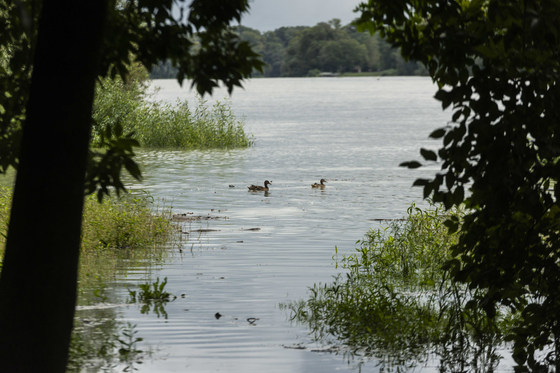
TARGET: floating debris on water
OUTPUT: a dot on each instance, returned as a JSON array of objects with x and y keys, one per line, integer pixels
[
  {"x": 402, "y": 219},
  {"x": 190, "y": 217},
  {"x": 295, "y": 347},
  {"x": 329, "y": 350}
]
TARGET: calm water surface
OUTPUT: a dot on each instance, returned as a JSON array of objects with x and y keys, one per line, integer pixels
[{"x": 351, "y": 131}]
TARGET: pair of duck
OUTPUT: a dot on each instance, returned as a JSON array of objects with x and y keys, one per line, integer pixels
[{"x": 259, "y": 188}]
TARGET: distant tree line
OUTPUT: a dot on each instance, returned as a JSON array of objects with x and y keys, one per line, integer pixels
[{"x": 327, "y": 47}]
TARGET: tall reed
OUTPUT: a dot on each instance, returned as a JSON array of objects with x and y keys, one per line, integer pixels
[{"x": 164, "y": 125}]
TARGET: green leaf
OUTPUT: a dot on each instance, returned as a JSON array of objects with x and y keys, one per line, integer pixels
[
  {"x": 411, "y": 164},
  {"x": 428, "y": 155},
  {"x": 438, "y": 133},
  {"x": 452, "y": 225},
  {"x": 420, "y": 182}
]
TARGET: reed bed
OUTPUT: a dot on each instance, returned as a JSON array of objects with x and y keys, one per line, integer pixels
[{"x": 160, "y": 124}]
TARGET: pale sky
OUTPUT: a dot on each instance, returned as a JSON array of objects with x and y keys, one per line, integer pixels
[{"x": 267, "y": 15}]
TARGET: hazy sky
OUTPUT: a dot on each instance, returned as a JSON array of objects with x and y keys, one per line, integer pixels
[{"x": 266, "y": 15}]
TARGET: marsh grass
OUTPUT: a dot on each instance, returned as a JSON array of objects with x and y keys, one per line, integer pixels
[
  {"x": 135, "y": 228},
  {"x": 190, "y": 127},
  {"x": 159, "y": 124},
  {"x": 126, "y": 222},
  {"x": 118, "y": 227},
  {"x": 393, "y": 300}
]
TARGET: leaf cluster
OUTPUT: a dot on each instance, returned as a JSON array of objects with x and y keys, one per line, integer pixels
[{"x": 496, "y": 63}]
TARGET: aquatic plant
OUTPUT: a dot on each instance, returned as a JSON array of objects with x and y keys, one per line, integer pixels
[
  {"x": 394, "y": 301},
  {"x": 164, "y": 125},
  {"x": 410, "y": 252},
  {"x": 153, "y": 291},
  {"x": 129, "y": 354},
  {"x": 104, "y": 346},
  {"x": 125, "y": 222},
  {"x": 190, "y": 126},
  {"x": 152, "y": 295}
]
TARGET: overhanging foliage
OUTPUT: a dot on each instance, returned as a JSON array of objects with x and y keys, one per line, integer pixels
[
  {"x": 201, "y": 44},
  {"x": 497, "y": 65}
]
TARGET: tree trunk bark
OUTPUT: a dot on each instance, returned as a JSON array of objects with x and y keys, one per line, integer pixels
[{"x": 38, "y": 280}]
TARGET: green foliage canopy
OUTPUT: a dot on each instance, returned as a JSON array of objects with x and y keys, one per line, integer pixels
[
  {"x": 327, "y": 47},
  {"x": 497, "y": 65}
]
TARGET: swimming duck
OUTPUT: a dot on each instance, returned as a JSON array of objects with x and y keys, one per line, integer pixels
[
  {"x": 319, "y": 185},
  {"x": 258, "y": 188}
]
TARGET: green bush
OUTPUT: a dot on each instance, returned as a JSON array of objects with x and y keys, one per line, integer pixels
[{"x": 163, "y": 125}]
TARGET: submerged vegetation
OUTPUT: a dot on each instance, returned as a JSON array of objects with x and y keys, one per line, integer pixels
[
  {"x": 105, "y": 347},
  {"x": 184, "y": 125},
  {"x": 395, "y": 303}
]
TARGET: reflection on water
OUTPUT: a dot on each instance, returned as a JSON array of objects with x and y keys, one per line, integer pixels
[{"x": 269, "y": 248}]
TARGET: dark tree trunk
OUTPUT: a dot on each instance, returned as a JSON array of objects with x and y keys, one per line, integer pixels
[{"x": 42, "y": 249}]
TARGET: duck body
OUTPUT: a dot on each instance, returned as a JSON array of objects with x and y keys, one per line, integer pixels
[
  {"x": 319, "y": 185},
  {"x": 259, "y": 188}
]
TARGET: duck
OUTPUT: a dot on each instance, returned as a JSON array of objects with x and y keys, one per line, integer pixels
[
  {"x": 319, "y": 185},
  {"x": 258, "y": 188}
]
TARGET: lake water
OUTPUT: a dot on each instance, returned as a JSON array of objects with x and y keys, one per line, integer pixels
[{"x": 353, "y": 132}]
